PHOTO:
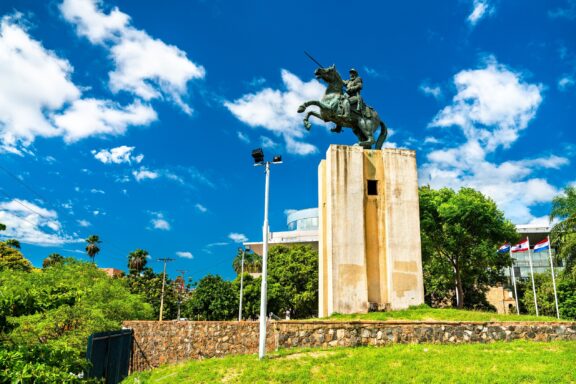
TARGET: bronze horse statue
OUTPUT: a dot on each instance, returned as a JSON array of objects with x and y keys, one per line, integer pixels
[{"x": 363, "y": 123}]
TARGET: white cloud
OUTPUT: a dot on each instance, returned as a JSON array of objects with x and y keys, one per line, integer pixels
[
  {"x": 118, "y": 155},
  {"x": 372, "y": 72},
  {"x": 276, "y": 110},
  {"x": 237, "y": 237},
  {"x": 185, "y": 254},
  {"x": 565, "y": 82},
  {"x": 34, "y": 82},
  {"x": 185, "y": 176},
  {"x": 159, "y": 222},
  {"x": 32, "y": 224},
  {"x": 97, "y": 191},
  {"x": 144, "y": 66},
  {"x": 91, "y": 23},
  {"x": 89, "y": 117},
  {"x": 217, "y": 244},
  {"x": 492, "y": 104},
  {"x": 201, "y": 208},
  {"x": 267, "y": 142},
  {"x": 52, "y": 105},
  {"x": 144, "y": 174},
  {"x": 566, "y": 13},
  {"x": 243, "y": 137},
  {"x": 491, "y": 107},
  {"x": 84, "y": 223},
  {"x": 435, "y": 92},
  {"x": 480, "y": 9}
]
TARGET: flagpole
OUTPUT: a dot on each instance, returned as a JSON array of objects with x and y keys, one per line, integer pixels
[
  {"x": 514, "y": 282},
  {"x": 532, "y": 276},
  {"x": 553, "y": 278}
]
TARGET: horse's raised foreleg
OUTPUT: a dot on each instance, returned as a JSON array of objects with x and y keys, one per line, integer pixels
[
  {"x": 305, "y": 105},
  {"x": 307, "y": 124}
]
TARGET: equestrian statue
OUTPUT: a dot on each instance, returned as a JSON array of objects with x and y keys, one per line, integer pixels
[{"x": 346, "y": 109}]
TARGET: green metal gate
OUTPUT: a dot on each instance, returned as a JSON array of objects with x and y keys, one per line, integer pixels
[{"x": 109, "y": 354}]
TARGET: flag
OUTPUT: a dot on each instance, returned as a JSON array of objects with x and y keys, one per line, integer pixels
[
  {"x": 542, "y": 245},
  {"x": 521, "y": 247},
  {"x": 504, "y": 248}
]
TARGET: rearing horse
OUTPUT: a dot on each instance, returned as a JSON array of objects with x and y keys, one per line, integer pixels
[{"x": 331, "y": 110}]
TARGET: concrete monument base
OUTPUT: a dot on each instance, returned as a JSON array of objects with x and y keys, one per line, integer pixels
[{"x": 369, "y": 243}]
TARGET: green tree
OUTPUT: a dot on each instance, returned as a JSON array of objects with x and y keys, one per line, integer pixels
[
  {"x": 2, "y": 227},
  {"x": 148, "y": 284},
  {"x": 212, "y": 299},
  {"x": 92, "y": 249},
  {"x": 563, "y": 234},
  {"x": 12, "y": 243},
  {"x": 137, "y": 260},
  {"x": 460, "y": 232},
  {"x": 292, "y": 284},
  {"x": 13, "y": 259},
  {"x": 565, "y": 288},
  {"x": 52, "y": 259},
  {"x": 47, "y": 315},
  {"x": 252, "y": 262},
  {"x": 295, "y": 270}
]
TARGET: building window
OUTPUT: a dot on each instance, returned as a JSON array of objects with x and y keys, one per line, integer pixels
[{"x": 372, "y": 187}]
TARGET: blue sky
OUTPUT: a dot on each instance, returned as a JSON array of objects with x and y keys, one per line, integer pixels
[{"x": 134, "y": 120}]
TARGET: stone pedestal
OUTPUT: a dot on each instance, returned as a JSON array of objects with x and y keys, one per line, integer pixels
[{"x": 369, "y": 243}]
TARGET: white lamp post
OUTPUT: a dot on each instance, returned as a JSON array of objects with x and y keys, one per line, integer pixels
[
  {"x": 258, "y": 156},
  {"x": 243, "y": 250}
]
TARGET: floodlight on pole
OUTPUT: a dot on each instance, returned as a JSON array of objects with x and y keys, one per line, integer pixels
[{"x": 258, "y": 156}]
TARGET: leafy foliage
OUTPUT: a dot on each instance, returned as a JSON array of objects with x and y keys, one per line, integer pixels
[
  {"x": 292, "y": 286},
  {"x": 295, "y": 270},
  {"x": 12, "y": 259},
  {"x": 52, "y": 259},
  {"x": 252, "y": 262},
  {"x": 92, "y": 249},
  {"x": 563, "y": 234},
  {"x": 137, "y": 260},
  {"x": 47, "y": 315},
  {"x": 148, "y": 285},
  {"x": 565, "y": 288},
  {"x": 460, "y": 232},
  {"x": 213, "y": 299}
]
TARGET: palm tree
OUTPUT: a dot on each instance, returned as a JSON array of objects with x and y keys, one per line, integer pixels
[
  {"x": 52, "y": 259},
  {"x": 92, "y": 248},
  {"x": 563, "y": 234},
  {"x": 137, "y": 261},
  {"x": 13, "y": 243},
  {"x": 252, "y": 262}
]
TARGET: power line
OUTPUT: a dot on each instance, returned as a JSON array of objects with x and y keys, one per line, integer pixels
[
  {"x": 46, "y": 201},
  {"x": 21, "y": 182}
]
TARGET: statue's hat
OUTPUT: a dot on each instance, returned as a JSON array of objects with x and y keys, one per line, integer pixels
[{"x": 352, "y": 70}]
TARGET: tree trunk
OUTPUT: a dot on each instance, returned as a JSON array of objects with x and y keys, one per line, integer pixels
[{"x": 459, "y": 289}]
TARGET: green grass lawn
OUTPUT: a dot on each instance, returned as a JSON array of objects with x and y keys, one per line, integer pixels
[
  {"x": 425, "y": 313},
  {"x": 515, "y": 362}
]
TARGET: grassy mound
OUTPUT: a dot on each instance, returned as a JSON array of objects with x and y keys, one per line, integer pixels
[
  {"x": 425, "y": 313},
  {"x": 516, "y": 362}
]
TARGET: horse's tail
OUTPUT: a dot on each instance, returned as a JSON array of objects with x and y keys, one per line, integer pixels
[{"x": 382, "y": 136}]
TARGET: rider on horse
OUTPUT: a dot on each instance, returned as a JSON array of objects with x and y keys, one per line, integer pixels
[{"x": 352, "y": 97}]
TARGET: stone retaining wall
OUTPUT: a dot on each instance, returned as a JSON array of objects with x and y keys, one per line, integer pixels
[{"x": 159, "y": 343}]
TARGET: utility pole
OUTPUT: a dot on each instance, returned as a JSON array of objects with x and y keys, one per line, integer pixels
[
  {"x": 165, "y": 260},
  {"x": 180, "y": 289},
  {"x": 243, "y": 250}
]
